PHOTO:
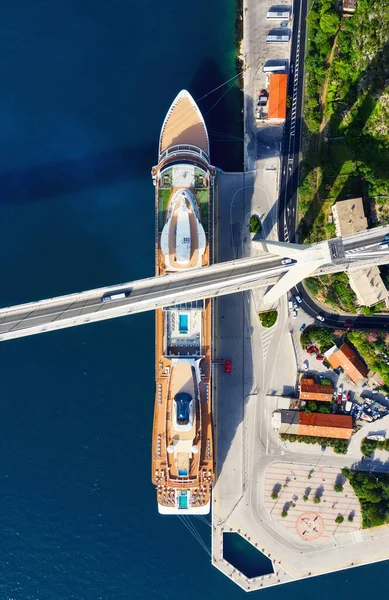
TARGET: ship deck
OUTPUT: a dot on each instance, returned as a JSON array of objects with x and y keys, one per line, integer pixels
[{"x": 184, "y": 125}]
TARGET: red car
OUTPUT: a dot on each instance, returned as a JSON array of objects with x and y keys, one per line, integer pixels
[
  {"x": 347, "y": 324},
  {"x": 319, "y": 357},
  {"x": 311, "y": 350},
  {"x": 349, "y": 395},
  {"x": 228, "y": 366}
]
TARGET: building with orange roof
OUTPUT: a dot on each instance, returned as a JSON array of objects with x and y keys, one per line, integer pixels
[
  {"x": 328, "y": 426},
  {"x": 346, "y": 358},
  {"x": 277, "y": 96},
  {"x": 294, "y": 422},
  {"x": 309, "y": 390}
]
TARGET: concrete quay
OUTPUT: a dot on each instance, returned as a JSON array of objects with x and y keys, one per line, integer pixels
[{"x": 251, "y": 461}]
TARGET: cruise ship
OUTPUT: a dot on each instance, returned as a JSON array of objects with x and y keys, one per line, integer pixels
[{"x": 182, "y": 446}]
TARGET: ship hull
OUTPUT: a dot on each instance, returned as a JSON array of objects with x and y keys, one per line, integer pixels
[{"x": 182, "y": 446}]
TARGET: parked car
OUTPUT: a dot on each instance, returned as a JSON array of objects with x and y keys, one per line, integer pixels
[
  {"x": 319, "y": 357},
  {"x": 290, "y": 304},
  {"x": 303, "y": 326},
  {"x": 335, "y": 393},
  {"x": 306, "y": 365},
  {"x": 349, "y": 395},
  {"x": 298, "y": 298},
  {"x": 311, "y": 350},
  {"x": 295, "y": 314},
  {"x": 287, "y": 261},
  {"x": 340, "y": 389},
  {"x": 320, "y": 318},
  {"x": 228, "y": 366},
  {"x": 344, "y": 395}
]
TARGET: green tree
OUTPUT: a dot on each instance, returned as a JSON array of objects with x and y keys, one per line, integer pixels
[
  {"x": 338, "y": 488},
  {"x": 339, "y": 519},
  {"x": 274, "y": 495},
  {"x": 329, "y": 22},
  {"x": 284, "y": 514}
]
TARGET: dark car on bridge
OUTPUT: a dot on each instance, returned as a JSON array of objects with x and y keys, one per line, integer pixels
[{"x": 347, "y": 324}]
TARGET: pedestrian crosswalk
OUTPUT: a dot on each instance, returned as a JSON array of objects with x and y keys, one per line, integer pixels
[{"x": 266, "y": 337}]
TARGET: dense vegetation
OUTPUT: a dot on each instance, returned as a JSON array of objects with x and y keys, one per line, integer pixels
[
  {"x": 339, "y": 446},
  {"x": 255, "y": 224},
  {"x": 321, "y": 407},
  {"x": 268, "y": 318},
  {"x": 333, "y": 289},
  {"x": 346, "y": 113},
  {"x": 374, "y": 349},
  {"x": 369, "y": 446},
  {"x": 373, "y": 495},
  {"x": 319, "y": 336}
]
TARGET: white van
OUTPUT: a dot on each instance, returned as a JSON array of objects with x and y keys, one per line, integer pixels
[{"x": 112, "y": 297}]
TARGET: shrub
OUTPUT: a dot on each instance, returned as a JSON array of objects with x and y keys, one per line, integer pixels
[
  {"x": 284, "y": 513},
  {"x": 339, "y": 519},
  {"x": 338, "y": 487},
  {"x": 274, "y": 495},
  {"x": 305, "y": 498},
  {"x": 268, "y": 318},
  {"x": 255, "y": 224},
  {"x": 317, "y": 500}
]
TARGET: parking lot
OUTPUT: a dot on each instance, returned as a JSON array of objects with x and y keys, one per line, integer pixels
[
  {"x": 366, "y": 394},
  {"x": 275, "y": 52}
]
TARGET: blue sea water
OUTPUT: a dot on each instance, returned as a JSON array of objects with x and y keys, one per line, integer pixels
[{"x": 84, "y": 87}]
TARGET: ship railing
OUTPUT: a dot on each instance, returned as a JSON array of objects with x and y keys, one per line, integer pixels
[{"x": 185, "y": 148}]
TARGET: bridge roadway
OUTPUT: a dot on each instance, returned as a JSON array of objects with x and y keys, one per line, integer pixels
[{"x": 158, "y": 292}]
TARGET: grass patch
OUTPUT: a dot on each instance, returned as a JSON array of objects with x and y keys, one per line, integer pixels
[
  {"x": 202, "y": 196},
  {"x": 163, "y": 200}
]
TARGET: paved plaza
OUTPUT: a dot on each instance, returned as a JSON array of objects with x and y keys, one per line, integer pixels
[{"x": 307, "y": 520}]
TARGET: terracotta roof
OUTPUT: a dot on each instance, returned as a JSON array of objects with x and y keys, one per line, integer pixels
[
  {"x": 346, "y": 358},
  {"x": 277, "y": 96},
  {"x": 324, "y": 425},
  {"x": 315, "y": 391}
]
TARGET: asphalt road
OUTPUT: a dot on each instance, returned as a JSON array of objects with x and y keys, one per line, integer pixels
[{"x": 290, "y": 176}]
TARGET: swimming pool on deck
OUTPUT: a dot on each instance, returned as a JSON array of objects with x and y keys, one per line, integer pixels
[
  {"x": 183, "y": 500},
  {"x": 183, "y": 323}
]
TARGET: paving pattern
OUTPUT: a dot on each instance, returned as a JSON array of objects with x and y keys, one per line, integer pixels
[{"x": 307, "y": 520}]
